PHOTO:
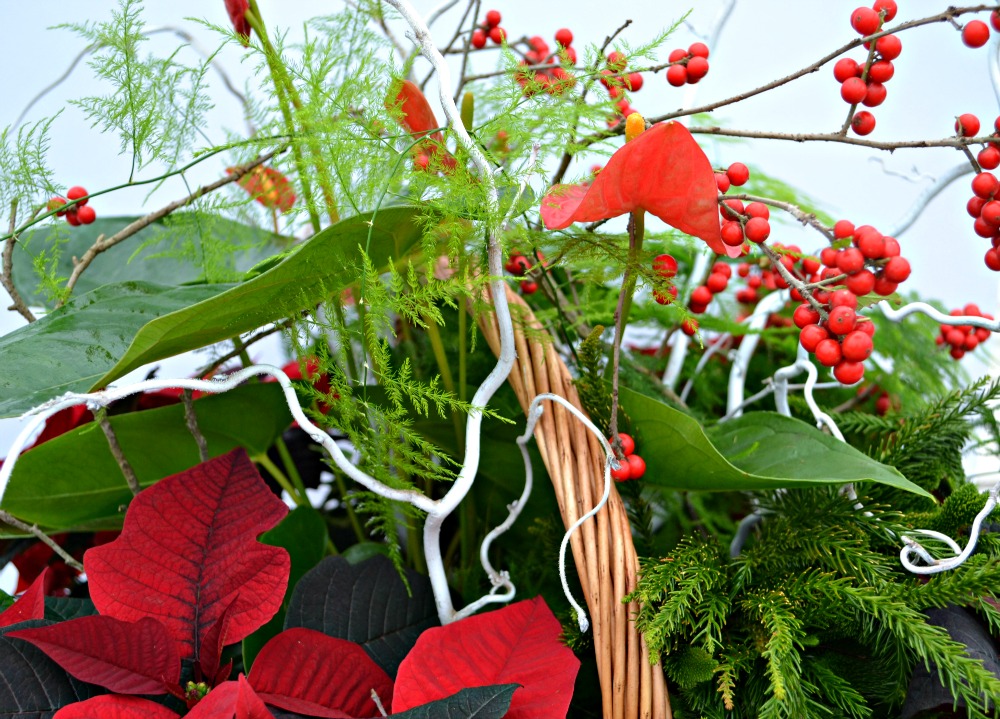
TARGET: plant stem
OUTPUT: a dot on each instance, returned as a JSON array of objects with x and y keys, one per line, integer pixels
[
  {"x": 290, "y": 468},
  {"x": 264, "y": 461},
  {"x": 437, "y": 345},
  {"x": 117, "y": 453},
  {"x": 191, "y": 419},
  {"x": 636, "y": 229},
  {"x": 352, "y": 517}
]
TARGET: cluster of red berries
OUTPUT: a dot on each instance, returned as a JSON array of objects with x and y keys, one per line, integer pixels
[
  {"x": 871, "y": 262},
  {"x": 864, "y": 83},
  {"x": 632, "y": 466},
  {"x": 984, "y": 207},
  {"x": 964, "y": 338},
  {"x": 762, "y": 277},
  {"x": 688, "y": 66},
  {"x": 741, "y": 222},
  {"x": 79, "y": 214},
  {"x": 967, "y": 125},
  {"x": 491, "y": 29},
  {"x": 976, "y": 33},
  {"x": 617, "y": 81},
  {"x": 519, "y": 265}
]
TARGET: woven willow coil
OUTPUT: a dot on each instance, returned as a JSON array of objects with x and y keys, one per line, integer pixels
[{"x": 603, "y": 550}]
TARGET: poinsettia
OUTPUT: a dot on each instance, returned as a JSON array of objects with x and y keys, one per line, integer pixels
[{"x": 664, "y": 172}]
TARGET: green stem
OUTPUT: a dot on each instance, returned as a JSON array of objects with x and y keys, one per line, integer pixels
[
  {"x": 463, "y": 341},
  {"x": 636, "y": 229},
  {"x": 437, "y": 345},
  {"x": 352, "y": 365},
  {"x": 359, "y": 531},
  {"x": 290, "y": 468},
  {"x": 264, "y": 461}
]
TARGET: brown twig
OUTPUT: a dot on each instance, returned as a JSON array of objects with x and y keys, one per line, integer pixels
[
  {"x": 102, "y": 244},
  {"x": 465, "y": 54},
  {"x": 806, "y": 218},
  {"x": 191, "y": 419},
  {"x": 6, "y": 274},
  {"x": 8, "y": 518},
  {"x": 454, "y": 38},
  {"x": 118, "y": 454},
  {"x": 957, "y": 142},
  {"x": 794, "y": 281}
]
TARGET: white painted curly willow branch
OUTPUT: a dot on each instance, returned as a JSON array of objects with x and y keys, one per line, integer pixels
[{"x": 534, "y": 413}]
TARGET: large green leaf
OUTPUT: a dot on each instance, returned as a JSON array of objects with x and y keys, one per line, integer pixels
[
  {"x": 178, "y": 247},
  {"x": 760, "y": 450},
  {"x": 320, "y": 268},
  {"x": 70, "y": 348},
  {"x": 73, "y": 481}
]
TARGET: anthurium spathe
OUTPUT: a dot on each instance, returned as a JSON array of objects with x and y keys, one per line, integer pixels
[
  {"x": 417, "y": 116},
  {"x": 662, "y": 171},
  {"x": 269, "y": 187}
]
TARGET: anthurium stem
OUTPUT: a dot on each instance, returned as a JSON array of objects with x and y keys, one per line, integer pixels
[
  {"x": 117, "y": 453},
  {"x": 636, "y": 230},
  {"x": 264, "y": 461}
]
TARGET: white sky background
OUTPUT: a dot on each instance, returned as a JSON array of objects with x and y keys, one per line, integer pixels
[{"x": 936, "y": 78}]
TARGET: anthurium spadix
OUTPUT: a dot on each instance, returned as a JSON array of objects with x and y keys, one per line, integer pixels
[{"x": 662, "y": 171}]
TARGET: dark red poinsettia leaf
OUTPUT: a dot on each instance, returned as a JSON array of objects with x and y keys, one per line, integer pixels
[
  {"x": 518, "y": 644},
  {"x": 231, "y": 700},
  {"x": 188, "y": 550},
  {"x": 417, "y": 115},
  {"x": 306, "y": 671},
  {"x": 109, "y": 706},
  {"x": 663, "y": 171},
  {"x": 125, "y": 657},
  {"x": 212, "y": 643},
  {"x": 30, "y": 605}
]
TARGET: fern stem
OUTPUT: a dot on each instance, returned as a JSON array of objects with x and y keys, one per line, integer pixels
[
  {"x": 437, "y": 345},
  {"x": 264, "y": 461},
  {"x": 352, "y": 516}
]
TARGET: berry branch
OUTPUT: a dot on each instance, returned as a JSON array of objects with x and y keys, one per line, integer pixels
[
  {"x": 116, "y": 451},
  {"x": 103, "y": 245},
  {"x": 6, "y": 273}
]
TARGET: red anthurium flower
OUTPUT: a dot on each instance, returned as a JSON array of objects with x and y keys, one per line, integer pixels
[
  {"x": 269, "y": 187},
  {"x": 662, "y": 171},
  {"x": 237, "y": 10},
  {"x": 418, "y": 118}
]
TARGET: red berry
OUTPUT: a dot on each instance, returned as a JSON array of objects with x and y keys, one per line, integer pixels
[
  {"x": 882, "y": 405},
  {"x": 747, "y": 296},
  {"x": 757, "y": 229},
  {"x": 853, "y": 90},
  {"x": 843, "y": 228},
  {"x": 697, "y": 68},
  {"x": 995, "y": 20},
  {"x": 722, "y": 182},
  {"x": 976, "y": 33},
  {"x": 699, "y": 49},
  {"x": 75, "y": 193},
  {"x": 677, "y": 55},
  {"x": 886, "y": 6},
  {"x": 967, "y": 125},
  {"x": 717, "y": 282},
  {"x": 856, "y": 346},
  {"x": 54, "y": 204},
  {"x": 478, "y": 40},
  {"x": 884, "y": 287},
  {"x": 628, "y": 444},
  {"x": 862, "y": 283},
  {"x": 564, "y": 37},
  {"x": 738, "y": 173},
  {"x": 723, "y": 268},
  {"x": 991, "y": 213},
  {"x": 637, "y": 466},
  {"x": 889, "y": 47},
  {"x": 72, "y": 218},
  {"x": 828, "y": 256},
  {"x": 865, "y": 21},
  {"x": 850, "y": 261},
  {"x": 971, "y": 342},
  {"x": 881, "y": 71},
  {"x": 665, "y": 266},
  {"x": 975, "y": 206},
  {"x": 983, "y": 228},
  {"x": 872, "y": 245},
  {"x": 665, "y": 298},
  {"x": 828, "y": 352},
  {"x": 897, "y": 269},
  {"x": 497, "y": 34},
  {"x": 985, "y": 185},
  {"x": 866, "y": 326},
  {"x": 843, "y": 298},
  {"x": 623, "y": 473},
  {"x": 86, "y": 214},
  {"x": 701, "y": 295},
  {"x": 957, "y": 353},
  {"x": 493, "y": 18},
  {"x": 677, "y": 75},
  {"x": 989, "y": 158},
  {"x": 841, "y": 320},
  {"x": 689, "y": 327},
  {"x": 848, "y": 372},
  {"x": 617, "y": 61},
  {"x": 875, "y": 95},
  {"x": 634, "y": 81},
  {"x": 863, "y": 122},
  {"x": 529, "y": 287},
  {"x": 811, "y": 336},
  {"x": 805, "y": 315},
  {"x": 758, "y": 209},
  {"x": 846, "y": 68},
  {"x": 732, "y": 233}
]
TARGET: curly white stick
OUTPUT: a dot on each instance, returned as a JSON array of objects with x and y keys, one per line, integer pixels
[{"x": 937, "y": 315}]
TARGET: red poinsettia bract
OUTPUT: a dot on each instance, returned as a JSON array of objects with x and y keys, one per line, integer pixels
[{"x": 662, "y": 171}]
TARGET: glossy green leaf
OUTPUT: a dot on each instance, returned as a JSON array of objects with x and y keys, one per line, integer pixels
[
  {"x": 72, "y": 347},
  {"x": 758, "y": 451},
  {"x": 322, "y": 267},
  {"x": 173, "y": 248},
  {"x": 303, "y": 533},
  {"x": 73, "y": 482}
]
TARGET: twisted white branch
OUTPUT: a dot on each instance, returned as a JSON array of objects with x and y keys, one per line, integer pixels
[
  {"x": 936, "y": 566},
  {"x": 937, "y": 316}
]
